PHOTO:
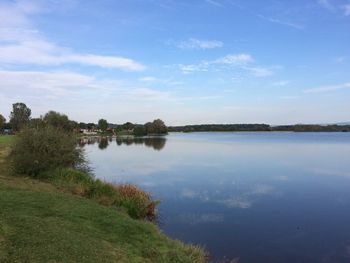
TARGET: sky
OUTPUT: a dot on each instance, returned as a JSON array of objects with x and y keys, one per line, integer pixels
[{"x": 184, "y": 61}]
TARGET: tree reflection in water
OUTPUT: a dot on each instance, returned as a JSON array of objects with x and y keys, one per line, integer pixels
[{"x": 157, "y": 143}]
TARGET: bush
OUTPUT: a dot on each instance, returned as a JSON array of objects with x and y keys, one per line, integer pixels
[
  {"x": 138, "y": 203},
  {"x": 38, "y": 150}
]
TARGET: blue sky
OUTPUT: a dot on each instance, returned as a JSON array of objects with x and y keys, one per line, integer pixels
[{"x": 186, "y": 62}]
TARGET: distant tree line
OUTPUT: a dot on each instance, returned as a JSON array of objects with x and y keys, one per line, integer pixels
[
  {"x": 20, "y": 117},
  {"x": 259, "y": 127}
]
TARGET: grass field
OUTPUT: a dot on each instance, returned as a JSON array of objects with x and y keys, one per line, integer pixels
[
  {"x": 7, "y": 139},
  {"x": 39, "y": 223}
]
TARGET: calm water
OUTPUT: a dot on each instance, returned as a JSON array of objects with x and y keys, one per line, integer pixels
[{"x": 256, "y": 197}]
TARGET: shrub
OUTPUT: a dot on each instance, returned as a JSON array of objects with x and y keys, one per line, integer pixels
[
  {"x": 138, "y": 203},
  {"x": 38, "y": 150}
]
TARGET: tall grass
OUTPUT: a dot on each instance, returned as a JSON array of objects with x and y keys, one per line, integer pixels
[{"x": 134, "y": 201}]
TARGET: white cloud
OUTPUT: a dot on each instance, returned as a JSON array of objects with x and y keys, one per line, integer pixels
[
  {"x": 235, "y": 59},
  {"x": 38, "y": 51},
  {"x": 241, "y": 61},
  {"x": 21, "y": 43},
  {"x": 260, "y": 71},
  {"x": 148, "y": 79},
  {"x": 194, "y": 43},
  {"x": 328, "y": 88},
  {"x": 280, "y": 83},
  {"x": 194, "y": 67}
]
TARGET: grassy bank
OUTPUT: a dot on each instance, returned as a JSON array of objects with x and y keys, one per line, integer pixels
[{"x": 39, "y": 222}]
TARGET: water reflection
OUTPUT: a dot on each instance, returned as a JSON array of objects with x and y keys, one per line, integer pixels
[
  {"x": 157, "y": 143},
  {"x": 278, "y": 197},
  {"x": 103, "y": 143}
]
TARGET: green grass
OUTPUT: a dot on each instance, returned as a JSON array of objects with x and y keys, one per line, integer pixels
[
  {"x": 7, "y": 139},
  {"x": 40, "y": 223}
]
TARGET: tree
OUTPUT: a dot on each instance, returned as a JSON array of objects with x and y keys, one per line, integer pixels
[
  {"x": 2, "y": 121},
  {"x": 149, "y": 128},
  {"x": 102, "y": 124},
  {"x": 128, "y": 126},
  {"x": 90, "y": 126},
  {"x": 140, "y": 130},
  {"x": 38, "y": 150},
  {"x": 159, "y": 127},
  {"x": 19, "y": 116},
  {"x": 58, "y": 120},
  {"x": 82, "y": 125}
]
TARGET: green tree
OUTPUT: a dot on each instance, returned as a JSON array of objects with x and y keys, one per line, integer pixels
[
  {"x": 58, "y": 120},
  {"x": 140, "y": 130},
  {"x": 128, "y": 126},
  {"x": 82, "y": 125},
  {"x": 159, "y": 127},
  {"x": 2, "y": 121},
  {"x": 38, "y": 150},
  {"x": 90, "y": 126},
  {"x": 102, "y": 124},
  {"x": 149, "y": 128},
  {"x": 20, "y": 116}
]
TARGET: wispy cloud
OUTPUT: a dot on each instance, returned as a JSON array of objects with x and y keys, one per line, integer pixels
[
  {"x": 328, "y": 88},
  {"x": 335, "y": 7},
  {"x": 194, "y": 43},
  {"x": 37, "y": 51},
  {"x": 148, "y": 79},
  {"x": 190, "y": 68},
  {"x": 235, "y": 59},
  {"x": 346, "y": 9},
  {"x": 281, "y": 22},
  {"x": 260, "y": 71},
  {"x": 340, "y": 59},
  {"x": 242, "y": 61},
  {"x": 21, "y": 43},
  {"x": 280, "y": 83},
  {"x": 326, "y": 4},
  {"x": 215, "y": 3}
]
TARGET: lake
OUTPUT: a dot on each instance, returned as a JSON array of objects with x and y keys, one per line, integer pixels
[{"x": 252, "y": 197}]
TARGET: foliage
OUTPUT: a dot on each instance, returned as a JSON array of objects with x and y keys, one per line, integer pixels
[
  {"x": 37, "y": 150},
  {"x": 2, "y": 121},
  {"x": 128, "y": 126},
  {"x": 313, "y": 128},
  {"x": 138, "y": 203},
  {"x": 102, "y": 124},
  {"x": 58, "y": 120},
  {"x": 90, "y": 125},
  {"x": 19, "y": 116},
  {"x": 159, "y": 127},
  {"x": 140, "y": 130}
]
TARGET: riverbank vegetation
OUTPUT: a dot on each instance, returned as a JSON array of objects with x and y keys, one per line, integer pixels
[
  {"x": 41, "y": 223},
  {"x": 54, "y": 210}
]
